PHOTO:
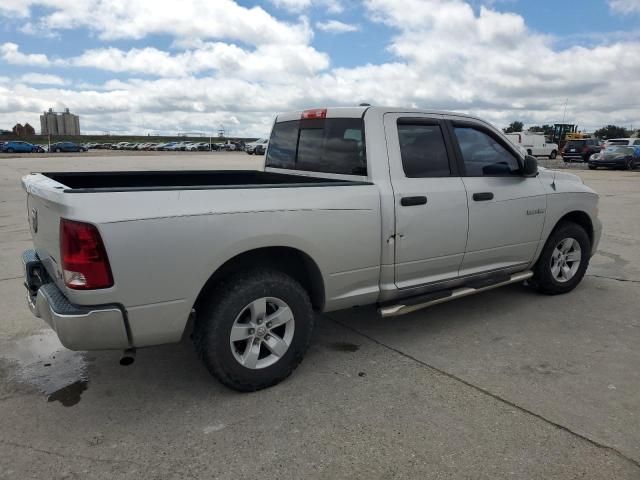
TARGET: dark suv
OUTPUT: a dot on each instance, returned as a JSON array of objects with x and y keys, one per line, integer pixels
[{"x": 580, "y": 150}]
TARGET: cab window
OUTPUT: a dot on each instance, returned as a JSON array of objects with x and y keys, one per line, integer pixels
[
  {"x": 423, "y": 151},
  {"x": 483, "y": 155}
]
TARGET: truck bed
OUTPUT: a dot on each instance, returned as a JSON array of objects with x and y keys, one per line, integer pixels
[{"x": 85, "y": 182}]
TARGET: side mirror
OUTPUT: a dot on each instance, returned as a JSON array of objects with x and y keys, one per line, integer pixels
[{"x": 530, "y": 167}]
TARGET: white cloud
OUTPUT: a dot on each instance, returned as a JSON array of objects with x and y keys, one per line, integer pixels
[
  {"x": 10, "y": 53},
  {"x": 336, "y": 26},
  {"x": 273, "y": 61},
  {"x": 625, "y": 6},
  {"x": 446, "y": 55},
  {"x": 332, "y": 6},
  {"x": 42, "y": 79},
  {"x": 204, "y": 19}
]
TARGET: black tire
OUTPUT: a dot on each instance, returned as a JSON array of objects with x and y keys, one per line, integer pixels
[
  {"x": 10, "y": 150},
  {"x": 529, "y": 152},
  {"x": 630, "y": 164},
  {"x": 219, "y": 311},
  {"x": 543, "y": 278},
  {"x": 553, "y": 155},
  {"x": 57, "y": 150},
  {"x": 592, "y": 167}
]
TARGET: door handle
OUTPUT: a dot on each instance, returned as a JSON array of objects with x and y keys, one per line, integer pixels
[
  {"x": 411, "y": 201},
  {"x": 483, "y": 197}
]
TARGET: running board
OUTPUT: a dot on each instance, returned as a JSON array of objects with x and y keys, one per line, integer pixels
[{"x": 410, "y": 305}]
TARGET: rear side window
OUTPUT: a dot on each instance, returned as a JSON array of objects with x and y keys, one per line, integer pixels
[
  {"x": 423, "y": 151},
  {"x": 332, "y": 145},
  {"x": 575, "y": 143},
  {"x": 483, "y": 155}
]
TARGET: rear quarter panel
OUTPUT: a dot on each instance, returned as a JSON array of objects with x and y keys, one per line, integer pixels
[{"x": 164, "y": 245}]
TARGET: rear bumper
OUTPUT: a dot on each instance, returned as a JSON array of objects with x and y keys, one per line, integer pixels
[{"x": 78, "y": 327}]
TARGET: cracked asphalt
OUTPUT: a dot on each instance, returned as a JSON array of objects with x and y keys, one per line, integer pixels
[{"x": 504, "y": 384}]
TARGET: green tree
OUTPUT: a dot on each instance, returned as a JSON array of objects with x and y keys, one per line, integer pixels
[
  {"x": 612, "y": 131},
  {"x": 514, "y": 127},
  {"x": 544, "y": 129}
]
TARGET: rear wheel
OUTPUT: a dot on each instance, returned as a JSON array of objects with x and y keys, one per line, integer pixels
[
  {"x": 10, "y": 150},
  {"x": 630, "y": 164},
  {"x": 254, "y": 329},
  {"x": 57, "y": 150},
  {"x": 553, "y": 155},
  {"x": 564, "y": 259}
]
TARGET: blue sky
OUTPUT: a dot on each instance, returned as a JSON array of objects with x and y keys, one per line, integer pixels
[{"x": 130, "y": 69}]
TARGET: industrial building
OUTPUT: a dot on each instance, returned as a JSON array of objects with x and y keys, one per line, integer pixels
[{"x": 59, "y": 123}]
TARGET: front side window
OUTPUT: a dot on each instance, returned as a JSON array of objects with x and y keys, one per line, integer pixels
[
  {"x": 483, "y": 155},
  {"x": 423, "y": 151},
  {"x": 332, "y": 145}
]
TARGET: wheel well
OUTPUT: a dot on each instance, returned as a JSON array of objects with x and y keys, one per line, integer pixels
[
  {"x": 291, "y": 261},
  {"x": 582, "y": 219}
]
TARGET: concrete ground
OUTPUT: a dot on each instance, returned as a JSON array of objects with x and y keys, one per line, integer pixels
[{"x": 505, "y": 384}]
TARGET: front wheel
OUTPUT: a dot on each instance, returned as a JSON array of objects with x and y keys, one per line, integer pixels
[
  {"x": 592, "y": 167},
  {"x": 630, "y": 165},
  {"x": 254, "y": 329},
  {"x": 10, "y": 150},
  {"x": 564, "y": 259},
  {"x": 57, "y": 150}
]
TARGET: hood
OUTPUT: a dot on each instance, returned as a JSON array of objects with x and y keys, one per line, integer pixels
[{"x": 558, "y": 181}]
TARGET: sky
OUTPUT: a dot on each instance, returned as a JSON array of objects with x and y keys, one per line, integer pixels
[{"x": 164, "y": 66}]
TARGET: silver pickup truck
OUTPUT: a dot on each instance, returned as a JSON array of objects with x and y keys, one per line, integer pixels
[{"x": 399, "y": 208}]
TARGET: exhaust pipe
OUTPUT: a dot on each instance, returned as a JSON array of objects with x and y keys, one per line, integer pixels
[{"x": 128, "y": 357}]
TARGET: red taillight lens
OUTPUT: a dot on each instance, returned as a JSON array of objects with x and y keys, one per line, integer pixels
[
  {"x": 315, "y": 113},
  {"x": 85, "y": 265}
]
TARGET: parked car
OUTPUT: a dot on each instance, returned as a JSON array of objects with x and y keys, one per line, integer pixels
[
  {"x": 616, "y": 156},
  {"x": 16, "y": 146},
  {"x": 250, "y": 147},
  {"x": 119, "y": 145},
  {"x": 261, "y": 148},
  {"x": 534, "y": 144},
  {"x": 41, "y": 148},
  {"x": 580, "y": 150},
  {"x": 631, "y": 142},
  {"x": 66, "y": 147},
  {"x": 429, "y": 207}
]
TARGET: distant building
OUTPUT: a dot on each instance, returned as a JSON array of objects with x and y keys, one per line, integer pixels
[
  {"x": 59, "y": 123},
  {"x": 23, "y": 131}
]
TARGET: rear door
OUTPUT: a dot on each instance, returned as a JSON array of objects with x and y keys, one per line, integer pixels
[
  {"x": 431, "y": 214},
  {"x": 506, "y": 209}
]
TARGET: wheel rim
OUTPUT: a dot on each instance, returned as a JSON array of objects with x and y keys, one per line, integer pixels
[
  {"x": 565, "y": 260},
  {"x": 262, "y": 333}
]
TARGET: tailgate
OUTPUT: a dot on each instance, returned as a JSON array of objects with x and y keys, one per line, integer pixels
[{"x": 45, "y": 206}]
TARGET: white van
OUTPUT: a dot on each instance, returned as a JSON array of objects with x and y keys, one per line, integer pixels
[{"x": 534, "y": 144}]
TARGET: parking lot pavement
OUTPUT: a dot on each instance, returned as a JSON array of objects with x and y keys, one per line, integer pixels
[{"x": 506, "y": 384}]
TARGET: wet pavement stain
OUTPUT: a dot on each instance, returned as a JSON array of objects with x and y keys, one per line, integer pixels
[
  {"x": 344, "y": 347},
  {"x": 41, "y": 362},
  {"x": 69, "y": 395}
]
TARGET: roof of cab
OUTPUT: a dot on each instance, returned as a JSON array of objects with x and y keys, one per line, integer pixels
[{"x": 356, "y": 112}]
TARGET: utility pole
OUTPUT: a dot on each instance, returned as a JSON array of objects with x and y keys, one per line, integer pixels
[{"x": 565, "y": 110}]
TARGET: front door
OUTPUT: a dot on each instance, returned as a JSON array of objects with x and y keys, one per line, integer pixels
[
  {"x": 506, "y": 209},
  {"x": 431, "y": 214}
]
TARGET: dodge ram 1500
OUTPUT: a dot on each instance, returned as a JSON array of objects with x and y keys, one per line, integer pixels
[{"x": 395, "y": 207}]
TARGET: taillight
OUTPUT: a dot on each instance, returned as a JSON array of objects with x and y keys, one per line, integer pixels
[
  {"x": 85, "y": 265},
  {"x": 315, "y": 113}
]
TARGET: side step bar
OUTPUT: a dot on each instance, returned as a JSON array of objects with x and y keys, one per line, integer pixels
[{"x": 413, "y": 304}]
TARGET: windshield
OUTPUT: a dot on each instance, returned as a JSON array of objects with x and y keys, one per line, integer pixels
[
  {"x": 332, "y": 145},
  {"x": 618, "y": 150},
  {"x": 618, "y": 142}
]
